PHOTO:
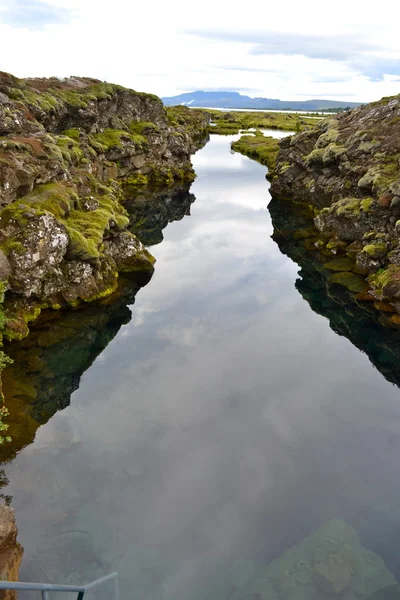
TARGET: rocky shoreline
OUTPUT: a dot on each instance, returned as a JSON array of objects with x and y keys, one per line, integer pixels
[
  {"x": 347, "y": 171},
  {"x": 74, "y": 154}
]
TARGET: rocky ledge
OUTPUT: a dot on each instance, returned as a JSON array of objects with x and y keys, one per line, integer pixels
[
  {"x": 10, "y": 550},
  {"x": 347, "y": 169},
  {"x": 73, "y": 153}
]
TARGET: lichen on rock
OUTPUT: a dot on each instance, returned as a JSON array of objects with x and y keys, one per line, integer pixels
[
  {"x": 73, "y": 152},
  {"x": 349, "y": 169}
]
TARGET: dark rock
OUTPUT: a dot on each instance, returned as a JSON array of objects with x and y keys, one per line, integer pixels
[{"x": 358, "y": 196}]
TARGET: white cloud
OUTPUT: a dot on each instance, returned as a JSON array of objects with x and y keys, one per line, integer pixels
[{"x": 303, "y": 50}]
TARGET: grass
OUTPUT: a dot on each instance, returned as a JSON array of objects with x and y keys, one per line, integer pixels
[
  {"x": 232, "y": 122},
  {"x": 261, "y": 148}
]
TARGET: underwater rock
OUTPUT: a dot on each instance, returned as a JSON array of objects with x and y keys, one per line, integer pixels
[{"x": 330, "y": 563}]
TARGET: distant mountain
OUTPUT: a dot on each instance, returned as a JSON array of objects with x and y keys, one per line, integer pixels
[{"x": 236, "y": 100}]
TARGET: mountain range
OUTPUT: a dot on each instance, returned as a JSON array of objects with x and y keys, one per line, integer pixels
[{"x": 236, "y": 100}]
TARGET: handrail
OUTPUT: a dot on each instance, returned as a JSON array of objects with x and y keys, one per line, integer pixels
[{"x": 45, "y": 588}]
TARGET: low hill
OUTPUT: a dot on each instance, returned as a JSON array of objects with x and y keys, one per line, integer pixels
[{"x": 223, "y": 99}]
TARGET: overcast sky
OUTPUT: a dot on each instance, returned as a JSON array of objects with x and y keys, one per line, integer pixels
[{"x": 347, "y": 49}]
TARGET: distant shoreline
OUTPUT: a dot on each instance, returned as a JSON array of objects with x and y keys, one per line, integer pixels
[{"x": 274, "y": 110}]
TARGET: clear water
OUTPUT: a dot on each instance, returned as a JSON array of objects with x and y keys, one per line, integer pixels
[{"x": 224, "y": 423}]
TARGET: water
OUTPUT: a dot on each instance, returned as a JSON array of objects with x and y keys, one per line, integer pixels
[
  {"x": 267, "y": 110},
  {"x": 222, "y": 424}
]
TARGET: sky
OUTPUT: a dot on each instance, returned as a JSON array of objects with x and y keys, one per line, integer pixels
[{"x": 346, "y": 50}]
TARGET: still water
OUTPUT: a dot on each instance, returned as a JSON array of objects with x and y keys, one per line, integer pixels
[{"x": 222, "y": 425}]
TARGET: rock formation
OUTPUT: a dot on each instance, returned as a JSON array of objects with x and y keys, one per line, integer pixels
[
  {"x": 10, "y": 550},
  {"x": 72, "y": 153},
  {"x": 347, "y": 169},
  {"x": 48, "y": 364}
]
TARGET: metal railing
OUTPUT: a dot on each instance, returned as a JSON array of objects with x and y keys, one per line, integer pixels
[{"x": 45, "y": 588}]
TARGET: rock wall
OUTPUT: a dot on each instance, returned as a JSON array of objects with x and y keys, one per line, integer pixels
[
  {"x": 10, "y": 550},
  {"x": 348, "y": 170},
  {"x": 73, "y": 153}
]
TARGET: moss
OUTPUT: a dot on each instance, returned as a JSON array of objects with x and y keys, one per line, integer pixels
[
  {"x": 85, "y": 229},
  {"x": 74, "y": 134},
  {"x": 259, "y": 147},
  {"x": 386, "y": 282},
  {"x": 12, "y": 246},
  {"x": 143, "y": 128},
  {"x": 346, "y": 207},
  {"x": 329, "y": 137},
  {"x": 315, "y": 157},
  {"x": 114, "y": 138},
  {"x": 341, "y": 263},
  {"x": 132, "y": 183},
  {"x": 351, "y": 281},
  {"x": 376, "y": 250},
  {"x": 109, "y": 138},
  {"x": 333, "y": 153},
  {"x": 70, "y": 149},
  {"x": 366, "y": 204},
  {"x": 236, "y": 121}
]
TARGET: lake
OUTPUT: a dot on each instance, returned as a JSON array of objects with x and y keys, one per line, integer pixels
[{"x": 223, "y": 423}]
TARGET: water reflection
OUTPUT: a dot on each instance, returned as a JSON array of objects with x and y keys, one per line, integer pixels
[
  {"x": 151, "y": 213},
  {"x": 367, "y": 328},
  {"x": 49, "y": 364},
  {"x": 222, "y": 426}
]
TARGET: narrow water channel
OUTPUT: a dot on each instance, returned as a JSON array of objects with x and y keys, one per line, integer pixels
[{"x": 223, "y": 424}]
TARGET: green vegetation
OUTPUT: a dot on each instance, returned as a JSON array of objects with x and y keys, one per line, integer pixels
[
  {"x": 259, "y": 147},
  {"x": 230, "y": 123},
  {"x": 4, "y": 361},
  {"x": 386, "y": 281},
  {"x": 351, "y": 281},
  {"x": 114, "y": 138},
  {"x": 49, "y": 95},
  {"x": 85, "y": 229}
]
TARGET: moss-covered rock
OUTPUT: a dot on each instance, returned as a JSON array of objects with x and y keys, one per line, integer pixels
[{"x": 72, "y": 153}]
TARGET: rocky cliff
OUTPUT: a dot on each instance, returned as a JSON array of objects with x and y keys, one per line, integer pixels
[
  {"x": 73, "y": 154},
  {"x": 347, "y": 169},
  {"x": 10, "y": 550}
]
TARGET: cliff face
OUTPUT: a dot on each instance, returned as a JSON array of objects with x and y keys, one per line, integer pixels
[
  {"x": 10, "y": 550},
  {"x": 348, "y": 169},
  {"x": 72, "y": 153}
]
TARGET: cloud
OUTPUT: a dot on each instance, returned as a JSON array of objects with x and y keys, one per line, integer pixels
[
  {"x": 33, "y": 14},
  {"x": 331, "y": 47},
  {"x": 355, "y": 50}
]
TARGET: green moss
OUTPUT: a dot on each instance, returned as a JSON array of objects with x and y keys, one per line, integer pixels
[
  {"x": 366, "y": 204},
  {"x": 376, "y": 250},
  {"x": 114, "y": 138},
  {"x": 108, "y": 139},
  {"x": 329, "y": 137},
  {"x": 351, "y": 281},
  {"x": 132, "y": 183},
  {"x": 70, "y": 149},
  {"x": 143, "y": 128},
  {"x": 333, "y": 153},
  {"x": 85, "y": 229},
  {"x": 346, "y": 207},
  {"x": 74, "y": 134},
  {"x": 341, "y": 263},
  {"x": 12, "y": 246},
  {"x": 259, "y": 147},
  {"x": 386, "y": 282},
  {"x": 315, "y": 157},
  {"x": 235, "y": 121}
]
